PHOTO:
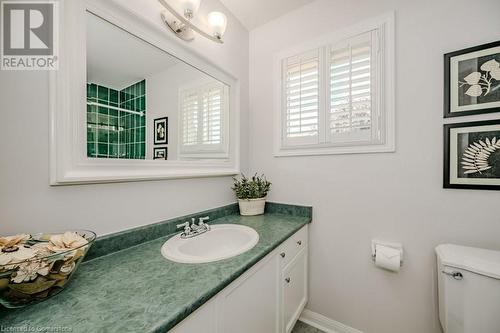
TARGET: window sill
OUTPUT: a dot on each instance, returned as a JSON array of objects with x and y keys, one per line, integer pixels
[{"x": 335, "y": 150}]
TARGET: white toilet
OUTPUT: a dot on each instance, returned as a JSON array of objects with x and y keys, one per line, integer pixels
[{"x": 469, "y": 289}]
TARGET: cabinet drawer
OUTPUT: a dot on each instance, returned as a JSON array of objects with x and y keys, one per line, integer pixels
[{"x": 292, "y": 246}]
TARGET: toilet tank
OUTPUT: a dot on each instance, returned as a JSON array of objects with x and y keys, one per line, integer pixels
[{"x": 469, "y": 289}]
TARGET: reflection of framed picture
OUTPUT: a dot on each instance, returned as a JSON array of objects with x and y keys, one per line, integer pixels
[
  {"x": 160, "y": 153},
  {"x": 472, "y": 81},
  {"x": 161, "y": 131},
  {"x": 472, "y": 155}
]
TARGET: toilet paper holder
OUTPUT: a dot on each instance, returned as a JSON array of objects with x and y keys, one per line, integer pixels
[{"x": 397, "y": 246}]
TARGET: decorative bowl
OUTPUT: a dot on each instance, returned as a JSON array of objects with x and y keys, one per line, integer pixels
[{"x": 36, "y": 267}]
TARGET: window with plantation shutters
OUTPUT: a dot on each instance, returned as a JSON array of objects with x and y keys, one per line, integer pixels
[
  {"x": 338, "y": 96},
  {"x": 301, "y": 98},
  {"x": 202, "y": 125}
]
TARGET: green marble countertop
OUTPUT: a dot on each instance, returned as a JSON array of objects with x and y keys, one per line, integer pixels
[{"x": 137, "y": 290}]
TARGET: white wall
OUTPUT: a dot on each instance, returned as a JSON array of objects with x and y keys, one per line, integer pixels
[
  {"x": 162, "y": 100},
  {"x": 395, "y": 196},
  {"x": 28, "y": 203}
]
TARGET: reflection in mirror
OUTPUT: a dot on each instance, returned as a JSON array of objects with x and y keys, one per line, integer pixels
[{"x": 143, "y": 103}]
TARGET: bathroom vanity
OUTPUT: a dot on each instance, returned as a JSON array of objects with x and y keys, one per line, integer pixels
[
  {"x": 126, "y": 284},
  {"x": 269, "y": 297}
]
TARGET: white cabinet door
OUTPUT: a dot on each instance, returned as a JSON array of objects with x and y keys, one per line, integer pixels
[
  {"x": 202, "y": 320},
  {"x": 251, "y": 305},
  {"x": 294, "y": 282}
]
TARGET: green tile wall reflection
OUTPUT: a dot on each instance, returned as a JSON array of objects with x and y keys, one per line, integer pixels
[
  {"x": 134, "y": 98},
  {"x": 114, "y": 133}
]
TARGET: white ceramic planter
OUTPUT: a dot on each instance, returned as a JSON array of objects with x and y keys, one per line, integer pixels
[{"x": 250, "y": 207}]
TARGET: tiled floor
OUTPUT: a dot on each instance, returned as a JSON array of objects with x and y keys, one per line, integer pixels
[{"x": 300, "y": 327}]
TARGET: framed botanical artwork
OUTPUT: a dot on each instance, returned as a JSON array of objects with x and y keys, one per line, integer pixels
[
  {"x": 160, "y": 153},
  {"x": 161, "y": 131},
  {"x": 472, "y": 81},
  {"x": 472, "y": 155}
]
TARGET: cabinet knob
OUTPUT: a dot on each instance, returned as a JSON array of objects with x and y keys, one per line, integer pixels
[
  {"x": 455, "y": 275},
  {"x": 299, "y": 242},
  {"x": 282, "y": 254},
  {"x": 287, "y": 280}
]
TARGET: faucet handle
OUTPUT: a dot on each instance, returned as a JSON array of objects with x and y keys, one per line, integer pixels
[
  {"x": 184, "y": 225},
  {"x": 201, "y": 220}
]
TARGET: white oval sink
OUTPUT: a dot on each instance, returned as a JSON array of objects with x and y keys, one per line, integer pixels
[{"x": 221, "y": 242}]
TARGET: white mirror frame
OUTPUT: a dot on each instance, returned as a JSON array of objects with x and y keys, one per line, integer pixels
[{"x": 67, "y": 88}]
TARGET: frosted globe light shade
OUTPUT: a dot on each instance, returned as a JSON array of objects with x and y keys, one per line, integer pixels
[
  {"x": 190, "y": 6},
  {"x": 217, "y": 22}
]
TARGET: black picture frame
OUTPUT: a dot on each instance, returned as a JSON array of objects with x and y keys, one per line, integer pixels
[
  {"x": 160, "y": 150},
  {"x": 163, "y": 122},
  {"x": 447, "y": 151},
  {"x": 447, "y": 82}
]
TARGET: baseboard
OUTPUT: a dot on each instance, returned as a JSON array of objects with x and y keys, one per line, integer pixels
[{"x": 325, "y": 324}]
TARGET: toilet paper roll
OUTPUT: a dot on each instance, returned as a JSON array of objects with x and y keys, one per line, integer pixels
[{"x": 387, "y": 258}]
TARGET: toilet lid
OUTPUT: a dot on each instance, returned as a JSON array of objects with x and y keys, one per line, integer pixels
[{"x": 481, "y": 261}]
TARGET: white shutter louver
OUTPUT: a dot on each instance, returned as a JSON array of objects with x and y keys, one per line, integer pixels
[
  {"x": 189, "y": 110},
  {"x": 301, "y": 98},
  {"x": 212, "y": 103},
  {"x": 350, "y": 79}
]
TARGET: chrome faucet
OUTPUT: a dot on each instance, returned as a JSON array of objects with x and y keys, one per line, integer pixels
[{"x": 193, "y": 229}]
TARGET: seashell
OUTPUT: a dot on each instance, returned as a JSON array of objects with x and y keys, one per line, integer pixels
[
  {"x": 4, "y": 259},
  {"x": 41, "y": 250},
  {"x": 29, "y": 271},
  {"x": 44, "y": 271},
  {"x": 73, "y": 240},
  {"x": 67, "y": 268},
  {"x": 55, "y": 242},
  {"x": 67, "y": 241},
  {"x": 10, "y": 241},
  {"x": 22, "y": 253}
]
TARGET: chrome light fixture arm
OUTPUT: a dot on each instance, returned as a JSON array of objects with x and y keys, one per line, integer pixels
[{"x": 183, "y": 26}]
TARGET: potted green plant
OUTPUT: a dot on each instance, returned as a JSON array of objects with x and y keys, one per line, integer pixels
[{"x": 251, "y": 194}]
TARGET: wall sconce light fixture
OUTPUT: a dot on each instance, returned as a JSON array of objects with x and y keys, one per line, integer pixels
[{"x": 181, "y": 23}]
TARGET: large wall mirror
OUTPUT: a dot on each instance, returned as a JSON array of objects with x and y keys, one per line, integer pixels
[
  {"x": 143, "y": 103},
  {"x": 145, "y": 111}
]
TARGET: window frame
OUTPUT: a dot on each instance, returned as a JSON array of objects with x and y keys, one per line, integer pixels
[{"x": 383, "y": 97}]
